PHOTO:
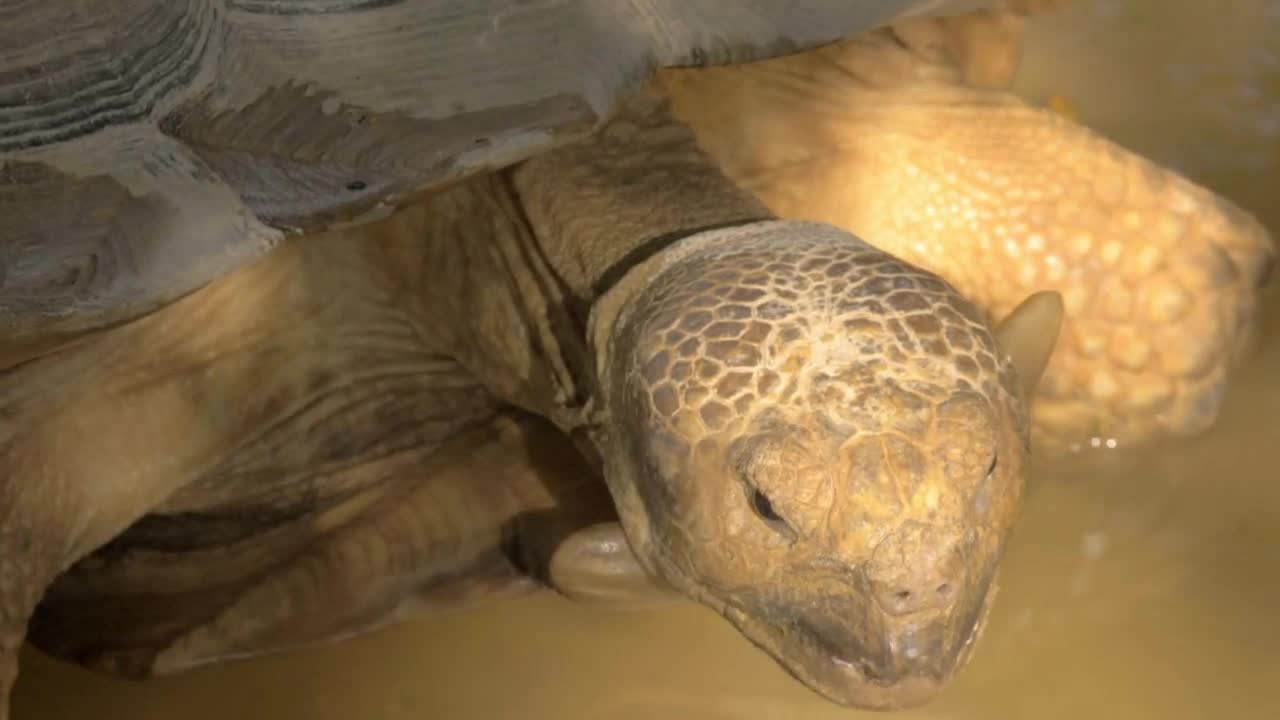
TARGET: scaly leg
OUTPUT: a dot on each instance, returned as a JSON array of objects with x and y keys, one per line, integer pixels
[{"x": 1160, "y": 276}]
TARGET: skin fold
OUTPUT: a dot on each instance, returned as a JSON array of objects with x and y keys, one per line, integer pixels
[{"x": 615, "y": 361}]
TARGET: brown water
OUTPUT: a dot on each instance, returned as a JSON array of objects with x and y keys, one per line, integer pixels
[{"x": 1139, "y": 585}]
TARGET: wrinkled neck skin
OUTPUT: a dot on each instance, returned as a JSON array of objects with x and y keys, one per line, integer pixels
[{"x": 514, "y": 261}]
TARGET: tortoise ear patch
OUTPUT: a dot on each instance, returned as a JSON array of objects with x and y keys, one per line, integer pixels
[
  {"x": 596, "y": 565},
  {"x": 1029, "y": 334}
]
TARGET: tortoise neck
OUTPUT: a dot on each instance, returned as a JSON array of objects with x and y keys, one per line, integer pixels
[
  {"x": 509, "y": 265},
  {"x": 604, "y": 205}
]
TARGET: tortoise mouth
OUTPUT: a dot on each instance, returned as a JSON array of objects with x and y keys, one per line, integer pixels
[{"x": 917, "y": 658}]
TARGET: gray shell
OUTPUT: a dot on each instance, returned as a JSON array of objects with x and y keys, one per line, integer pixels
[{"x": 148, "y": 147}]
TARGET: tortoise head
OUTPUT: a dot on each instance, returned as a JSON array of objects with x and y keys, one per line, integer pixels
[{"x": 822, "y": 443}]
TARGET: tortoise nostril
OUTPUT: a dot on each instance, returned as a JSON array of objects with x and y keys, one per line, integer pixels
[{"x": 918, "y": 568}]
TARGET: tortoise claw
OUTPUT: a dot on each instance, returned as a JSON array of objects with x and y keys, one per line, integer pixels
[
  {"x": 596, "y": 565},
  {"x": 1029, "y": 333}
]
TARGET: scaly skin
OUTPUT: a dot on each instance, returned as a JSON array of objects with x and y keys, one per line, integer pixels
[{"x": 1160, "y": 276}]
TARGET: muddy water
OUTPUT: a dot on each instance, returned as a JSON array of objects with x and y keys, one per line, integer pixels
[{"x": 1139, "y": 585}]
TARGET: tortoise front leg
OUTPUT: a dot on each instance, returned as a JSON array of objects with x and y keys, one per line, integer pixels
[{"x": 1159, "y": 276}]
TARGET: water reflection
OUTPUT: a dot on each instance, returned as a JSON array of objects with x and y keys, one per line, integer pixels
[{"x": 1139, "y": 585}]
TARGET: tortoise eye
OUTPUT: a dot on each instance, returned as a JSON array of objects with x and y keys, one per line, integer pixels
[
  {"x": 763, "y": 507},
  {"x": 760, "y": 503}
]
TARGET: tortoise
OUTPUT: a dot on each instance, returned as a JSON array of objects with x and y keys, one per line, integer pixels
[{"x": 552, "y": 322}]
